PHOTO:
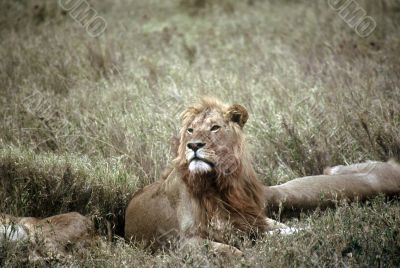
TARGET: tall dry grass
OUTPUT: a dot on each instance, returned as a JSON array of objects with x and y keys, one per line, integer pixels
[{"x": 85, "y": 122}]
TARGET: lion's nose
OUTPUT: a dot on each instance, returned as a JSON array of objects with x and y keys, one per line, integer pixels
[{"x": 195, "y": 145}]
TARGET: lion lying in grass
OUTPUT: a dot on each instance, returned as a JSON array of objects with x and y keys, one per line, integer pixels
[
  {"x": 339, "y": 183},
  {"x": 212, "y": 186},
  {"x": 55, "y": 236}
]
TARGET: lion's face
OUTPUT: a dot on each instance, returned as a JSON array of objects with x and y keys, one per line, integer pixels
[
  {"x": 208, "y": 138},
  {"x": 211, "y": 138}
]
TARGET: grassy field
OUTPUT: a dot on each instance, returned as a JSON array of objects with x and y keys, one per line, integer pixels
[{"x": 87, "y": 121}]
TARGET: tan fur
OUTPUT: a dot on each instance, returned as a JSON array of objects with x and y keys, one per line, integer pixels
[
  {"x": 196, "y": 206},
  {"x": 353, "y": 182},
  {"x": 191, "y": 206},
  {"x": 53, "y": 236}
]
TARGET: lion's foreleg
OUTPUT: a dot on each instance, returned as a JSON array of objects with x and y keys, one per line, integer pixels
[
  {"x": 276, "y": 227},
  {"x": 215, "y": 247}
]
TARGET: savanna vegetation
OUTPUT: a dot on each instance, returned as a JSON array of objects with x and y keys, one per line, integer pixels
[{"x": 87, "y": 121}]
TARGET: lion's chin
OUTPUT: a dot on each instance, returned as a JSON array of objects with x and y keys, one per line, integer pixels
[{"x": 199, "y": 166}]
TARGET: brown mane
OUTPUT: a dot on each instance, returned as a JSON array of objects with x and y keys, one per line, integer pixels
[
  {"x": 238, "y": 195},
  {"x": 212, "y": 186}
]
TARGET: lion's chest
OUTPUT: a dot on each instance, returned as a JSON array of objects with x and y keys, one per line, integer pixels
[{"x": 203, "y": 219}]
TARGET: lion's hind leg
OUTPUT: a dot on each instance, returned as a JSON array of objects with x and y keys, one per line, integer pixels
[{"x": 366, "y": 167}]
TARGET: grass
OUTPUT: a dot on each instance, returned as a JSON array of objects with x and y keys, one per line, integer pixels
[{"x": 86, "y": 122}]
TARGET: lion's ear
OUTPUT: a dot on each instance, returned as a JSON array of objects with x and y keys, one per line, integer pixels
[{"x": 238, "y": 114}]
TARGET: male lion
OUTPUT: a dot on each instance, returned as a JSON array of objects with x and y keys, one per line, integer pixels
[{"x": 212, "y": 185}]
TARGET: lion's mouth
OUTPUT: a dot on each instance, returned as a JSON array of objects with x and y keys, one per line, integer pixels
[{"x": 196, "y": 158}]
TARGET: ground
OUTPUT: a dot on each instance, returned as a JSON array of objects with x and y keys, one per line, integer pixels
[{"x": 87, "y": 121}]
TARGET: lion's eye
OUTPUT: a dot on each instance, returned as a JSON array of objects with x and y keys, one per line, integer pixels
[
  {"x": 190, "y": 130},
  {"x": 215, "y": 128}
]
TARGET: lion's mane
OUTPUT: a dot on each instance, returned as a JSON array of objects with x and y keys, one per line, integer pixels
[{"x": 232, "y": 190}]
